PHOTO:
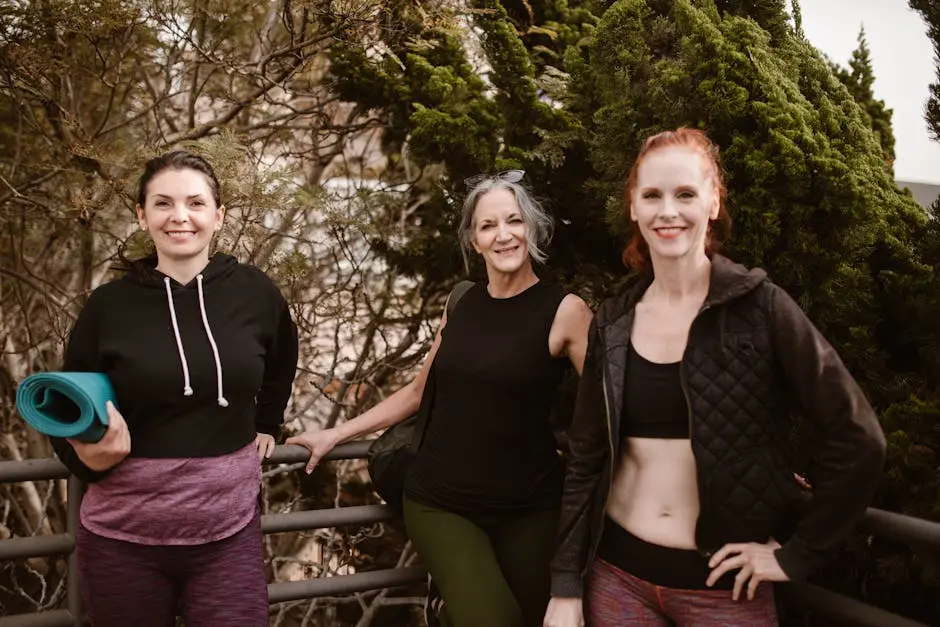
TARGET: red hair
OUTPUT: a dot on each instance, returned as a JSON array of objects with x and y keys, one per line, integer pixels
[{"x": 637, "y": 254}]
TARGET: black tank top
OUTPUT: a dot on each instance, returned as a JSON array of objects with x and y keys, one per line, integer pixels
[
  {"x": 654, "y": 405},
  {"x": 489, "y": 447}
]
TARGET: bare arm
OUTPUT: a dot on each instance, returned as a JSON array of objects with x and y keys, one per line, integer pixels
[
  {"x": 390, "y": 411},
  {"x": 564, "y": 612},
  {"x": 569, "y": 332}
]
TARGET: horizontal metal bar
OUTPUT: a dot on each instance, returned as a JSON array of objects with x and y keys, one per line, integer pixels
[
  {"x": 830, "y": 604},
  {"x": 36, "y": 546},
  {"x": 32, "y": 470},
  {"x": 292, "y": 453},
  {"x": 900, "y": 528},
  {"x": 322, "y": 518},
  {"x": 841, "y": 608},
  {"x": 52, "y": 468},
  {"x": 345, "y": 584},
  {"x": 54, "y": 618},
  {"x": 62, "y": 544}
]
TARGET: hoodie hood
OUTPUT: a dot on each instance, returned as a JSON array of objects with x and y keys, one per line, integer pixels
[
  {"x": 144, "y": 272},
  {"x": 729, "y": 280}
]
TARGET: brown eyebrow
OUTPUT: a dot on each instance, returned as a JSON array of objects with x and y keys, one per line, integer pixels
[{"x": 171, "y": 198}]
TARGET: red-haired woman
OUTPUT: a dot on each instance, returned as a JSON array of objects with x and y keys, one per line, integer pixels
[{"x": 679, "y": 488}]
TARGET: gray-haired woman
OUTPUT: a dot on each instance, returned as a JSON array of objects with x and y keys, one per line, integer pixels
[{"x": 482, "y": 498}]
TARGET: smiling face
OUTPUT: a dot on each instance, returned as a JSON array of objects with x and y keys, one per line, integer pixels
[
  {"x": 674, "y": 199},
  {"x": 180, "y": 213},
  {"x": 499, "y": 231}
]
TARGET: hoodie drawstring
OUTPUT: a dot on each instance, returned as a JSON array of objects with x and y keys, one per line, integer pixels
[
  {"x": 187, "y": 389},
  {"x": 215, "y": 349}
]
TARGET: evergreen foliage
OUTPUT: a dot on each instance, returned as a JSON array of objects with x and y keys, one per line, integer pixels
[
  {"x": 860, "y": 80},
  {"x": 930, "y": 11}
]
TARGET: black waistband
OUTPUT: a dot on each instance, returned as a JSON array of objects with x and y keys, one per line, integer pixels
[{"x": 659, "y": 565}]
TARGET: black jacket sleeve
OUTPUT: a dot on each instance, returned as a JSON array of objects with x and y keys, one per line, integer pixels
[
  {"x": 851, "y": 443},
  {"x": 81, "y": 355},
  {"x": 280, "y": 366},
  {"x": 589, "y": 452}
]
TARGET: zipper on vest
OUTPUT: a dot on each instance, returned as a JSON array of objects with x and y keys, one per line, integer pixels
[
  {"x": 682, "y": 379},
  {"x": 610, "y": 443},
  {"x": 688, "y": 404},
  {"x": 685, "y": 393},
  {"x": 610, "y": 433}
]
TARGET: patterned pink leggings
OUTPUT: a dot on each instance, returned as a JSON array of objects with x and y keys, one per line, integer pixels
[
  {"x": 220, "y": 584},
  {"x": 616, "y": 598}
]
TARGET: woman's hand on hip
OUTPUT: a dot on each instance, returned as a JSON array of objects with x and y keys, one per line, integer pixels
[
  {"x": 756, "y": 562},
  {"x": 265, "y": 445},
  {"x": 111, "y": 449},
  {"x": 564, "y": 612},
  {"x": 319, "y": 443}
]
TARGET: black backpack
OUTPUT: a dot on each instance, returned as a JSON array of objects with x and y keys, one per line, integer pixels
[{"x": 391, "y": 454}]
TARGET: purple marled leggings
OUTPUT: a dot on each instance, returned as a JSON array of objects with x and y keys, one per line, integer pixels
[
  {"x": 616, "y": 598},
  {"x": 220, "y": 583}
]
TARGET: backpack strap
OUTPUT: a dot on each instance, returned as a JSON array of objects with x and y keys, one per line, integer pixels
[
  {"x": 424, "y": 410},
  {"x": 456, "y": 294}
]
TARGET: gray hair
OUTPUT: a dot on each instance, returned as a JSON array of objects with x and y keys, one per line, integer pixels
[{"x": 539, "y": 226}]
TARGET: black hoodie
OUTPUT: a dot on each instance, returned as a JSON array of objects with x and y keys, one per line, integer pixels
[{"x": 180, "y": 395}]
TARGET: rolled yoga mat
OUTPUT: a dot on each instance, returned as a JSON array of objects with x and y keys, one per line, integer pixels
[{"x": 66, "y": 404}]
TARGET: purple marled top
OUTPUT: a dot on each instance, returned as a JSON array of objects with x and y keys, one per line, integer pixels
[{"x": 175, "y": 501}]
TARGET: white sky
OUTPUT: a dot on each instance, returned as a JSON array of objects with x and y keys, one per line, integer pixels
[{"x": 902, "y": 57}]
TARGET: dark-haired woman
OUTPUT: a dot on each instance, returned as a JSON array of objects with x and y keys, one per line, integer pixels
[
  {"x": 201, "y": 352},
  {"x": 680, "y": 504}
]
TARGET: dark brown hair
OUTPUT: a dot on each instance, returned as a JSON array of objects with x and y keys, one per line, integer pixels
[
  {"x": 637, "y": 254},
  {"x": 177, "y": 160}
]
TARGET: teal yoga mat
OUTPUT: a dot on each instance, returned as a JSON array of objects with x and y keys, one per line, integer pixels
[{"x": 66, "y": 404}]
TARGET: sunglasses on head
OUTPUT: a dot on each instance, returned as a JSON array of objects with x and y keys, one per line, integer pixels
[{"x": 510, "y": 176}]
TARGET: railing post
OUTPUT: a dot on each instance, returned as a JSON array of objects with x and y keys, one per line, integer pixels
[{"x": 76, "y": 489}]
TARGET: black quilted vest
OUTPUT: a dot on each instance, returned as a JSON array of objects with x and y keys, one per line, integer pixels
[{"x": 738, "y": 425}]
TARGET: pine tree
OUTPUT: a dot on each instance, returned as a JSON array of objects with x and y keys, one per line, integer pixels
[
  {"x": 860, "y": 80},
  {"x": 797, "y": 14},
  {"x": 930, "y": 11}
]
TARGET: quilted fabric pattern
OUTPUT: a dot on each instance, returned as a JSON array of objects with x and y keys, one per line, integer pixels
[{"x": 730, "y": 380}]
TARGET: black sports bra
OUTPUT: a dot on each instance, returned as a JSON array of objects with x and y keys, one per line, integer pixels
[{"x": 654, "y": 404}]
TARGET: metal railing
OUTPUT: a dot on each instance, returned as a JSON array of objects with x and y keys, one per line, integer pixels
[{"x": 915, "y": 532}]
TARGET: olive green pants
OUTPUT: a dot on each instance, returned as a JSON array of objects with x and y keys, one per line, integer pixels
[{"x": 491, "y": 574}]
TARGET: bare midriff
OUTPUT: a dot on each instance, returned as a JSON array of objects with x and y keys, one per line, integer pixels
[{"x": 654, "y": 494}]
